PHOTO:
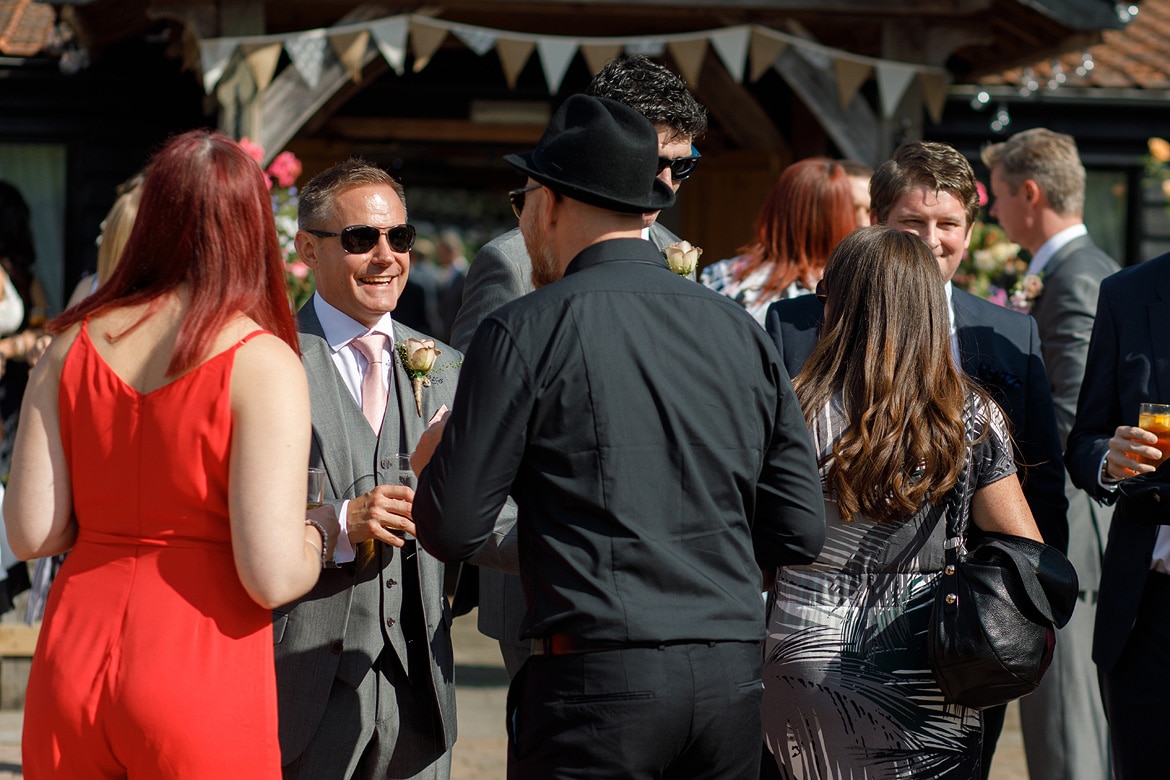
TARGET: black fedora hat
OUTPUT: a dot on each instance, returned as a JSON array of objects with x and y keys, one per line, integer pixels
[{"x": 600, "y": 152}]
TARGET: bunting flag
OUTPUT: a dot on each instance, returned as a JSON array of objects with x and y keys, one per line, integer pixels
[
  {"x": 764, "y": 51},
  {"x": 744, "y": 50},
  {"x": 850, "y": 76},
  {"x": 425, "y": 40},
  {"x": 555, "y": 56},
  {"x": 262, "y": 59},
  {"x": 688, "y": 55},
  {"x": 731, "y": 45},
  {"x": 307, "y": 53},
  {"x": 893, "y": 79},
  {"x": 350, "y": 48},
  {"x": 390, "y": 37},
  {"x": 513, "y": 57}
]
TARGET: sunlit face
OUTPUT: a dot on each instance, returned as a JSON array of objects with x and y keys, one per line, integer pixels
[
  {"x": 1009, "y": 209},
  {"x": 363, "y": 286},
  {"x": 938, "y": 218},
  {"x": 859, "y": 189},
  {"x": 671, "y": 146}
]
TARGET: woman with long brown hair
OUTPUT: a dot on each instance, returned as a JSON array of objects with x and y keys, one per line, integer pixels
[
  {"x": 808, "y": 211},
  {"x": 164, "y": 441},
  {"x": 848, "y": 691}
]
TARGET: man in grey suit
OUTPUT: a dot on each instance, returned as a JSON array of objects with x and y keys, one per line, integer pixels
[
  {"x": 1038, "y": 185},
  {"x": 502, "y": 271},
  {"x": 363, "y": 662}
]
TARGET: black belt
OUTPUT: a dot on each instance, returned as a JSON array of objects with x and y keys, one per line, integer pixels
[{"x": 562, "y": 644}]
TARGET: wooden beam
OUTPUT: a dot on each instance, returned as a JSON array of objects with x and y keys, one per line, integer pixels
[
  {"x": 419, "y": 129},
  {"x": 739, "y": 114}
]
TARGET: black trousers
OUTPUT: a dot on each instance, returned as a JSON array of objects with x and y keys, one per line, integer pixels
[
  {"x": 1136, "y": 691},
  {"x": 674, "y": 711}
]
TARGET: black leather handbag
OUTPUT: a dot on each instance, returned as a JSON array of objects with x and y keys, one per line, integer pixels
[{"x": 997, "y": 606}]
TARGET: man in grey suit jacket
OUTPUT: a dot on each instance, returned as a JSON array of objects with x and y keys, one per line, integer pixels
[
  {"x": 502, "y": 271},
  {"x": 1038, "y": 185},
  {"x": 364, "y": 665}
]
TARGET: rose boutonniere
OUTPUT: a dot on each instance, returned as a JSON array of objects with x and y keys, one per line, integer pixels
[
  {"x": 1026, "y": 291},
  {"x": 418, "y": 358},
  {"x": 682, "y": 257}
]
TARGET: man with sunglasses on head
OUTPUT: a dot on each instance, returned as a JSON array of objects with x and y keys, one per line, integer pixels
[
  {"x": 502, "y": 271},
  {"x": 363, "y": 662}
]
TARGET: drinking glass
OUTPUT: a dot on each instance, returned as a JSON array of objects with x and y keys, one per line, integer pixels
[
  {"x": 406, "y": 478},
  {"x": 315, "y": 495},
  {"x": 1155, "y": 418}
]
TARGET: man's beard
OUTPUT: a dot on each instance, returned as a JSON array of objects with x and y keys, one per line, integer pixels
[{"x": 545, "y": 268}]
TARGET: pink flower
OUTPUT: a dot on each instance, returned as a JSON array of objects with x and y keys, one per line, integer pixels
[
  {"x": 982, "y": 193},
  {"x": 298, "y": 269},
  {"x": 285, "y": 169},
  {"x": 254, "y": 150}
]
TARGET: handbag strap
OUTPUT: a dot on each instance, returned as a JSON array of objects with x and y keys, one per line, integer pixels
[{"x": 958, "y": 512}]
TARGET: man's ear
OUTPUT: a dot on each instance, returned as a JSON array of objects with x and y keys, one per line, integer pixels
[
  {"x": 1032, "y": 192},
  {"x": 306, "y": 244},
  {"x": 551, "y": 206}
]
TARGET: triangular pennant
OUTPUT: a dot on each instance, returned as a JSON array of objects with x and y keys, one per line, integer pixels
[
  {"x": 477, "y": 39},
  {"x": 731, "y": 46},
  {"x": 893, "y": 78},
  {"x": 261, "y": 59},
  {"x": 934, "y": 93},
  {"x": 390, "y": 38},
  {"x": 425, "y": 40},
  {"x": 307, "y": 52},
  {"x": 647, "y": 47},
  {"x": 214, "y": 55},
  {"x": 555, "y": 56},
  {"x": 350, "y": 48},
  {"x": 596, "y": 55},
  {"x": 688, "y": 56},
  {"x": 513, "y": 57},
  {"x": 764, "y": 51},
  {"x": 851, "y": 74}
]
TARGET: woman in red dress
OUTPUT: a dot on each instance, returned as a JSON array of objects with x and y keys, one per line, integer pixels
[{"x": 164, "y": 442}]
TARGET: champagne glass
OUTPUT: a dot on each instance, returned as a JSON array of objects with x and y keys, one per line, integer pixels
[{"x": 406, "y": 478}]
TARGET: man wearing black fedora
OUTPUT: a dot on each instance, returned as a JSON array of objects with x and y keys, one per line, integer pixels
[{"x": 652, "y": 442}]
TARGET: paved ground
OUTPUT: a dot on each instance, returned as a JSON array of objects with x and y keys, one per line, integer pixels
[{"x": 480, "y": 691}]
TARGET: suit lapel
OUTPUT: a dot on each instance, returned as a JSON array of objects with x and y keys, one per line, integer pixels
[{"x": 968, "y": 345}]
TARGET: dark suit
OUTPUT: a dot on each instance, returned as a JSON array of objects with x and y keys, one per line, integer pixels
[
  {"x": 500, "y": 273},
  {"x": 1128, "y": 363},
  {"x": 366, "y": 641},
  {"x": 1000, "y": 349},
  {"x": 1063, "y": 722},
  {"x": 646, "y": 501}
]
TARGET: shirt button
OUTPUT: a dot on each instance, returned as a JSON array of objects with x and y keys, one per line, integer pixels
[
  {"x": 337, "y": 647},
  {"x": 390, "y": 583},
  {"x": 385, "y": 463},
  {"x": 390, "y": 622}
]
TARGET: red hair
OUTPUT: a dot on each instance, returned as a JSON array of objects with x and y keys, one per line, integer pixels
[
  {"x": 205, "y": 219},
  {"x": 809, "y": 210}
]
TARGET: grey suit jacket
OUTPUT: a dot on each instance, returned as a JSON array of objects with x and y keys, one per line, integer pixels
[
  {"x": 340, "y": 627},
  {"x": 500, "y": 273}
]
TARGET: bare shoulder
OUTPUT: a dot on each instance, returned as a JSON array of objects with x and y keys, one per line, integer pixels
[{"x": 50, "y": 364}]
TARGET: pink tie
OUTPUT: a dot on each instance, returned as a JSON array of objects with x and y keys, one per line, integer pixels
[{"x": 373, "y": 386}]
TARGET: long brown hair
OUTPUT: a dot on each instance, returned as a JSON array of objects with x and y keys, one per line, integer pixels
[
  {"x": 808, "y": 211},
  {"x": 885, "y": 350},
  {"x": 205, "y": 218}
]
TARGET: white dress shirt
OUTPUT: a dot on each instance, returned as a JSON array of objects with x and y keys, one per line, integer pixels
[{"x": 340, "y": 330}]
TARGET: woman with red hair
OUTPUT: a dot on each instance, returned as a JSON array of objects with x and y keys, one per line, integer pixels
[
  {"x": 809, "y": 210},
  {"x": 164, "y": 442}
]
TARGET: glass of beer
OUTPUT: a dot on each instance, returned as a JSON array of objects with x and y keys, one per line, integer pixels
[{"x": 1155, "y": 418}]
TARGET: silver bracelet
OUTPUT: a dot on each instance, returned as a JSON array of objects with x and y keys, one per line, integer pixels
[{"x": 324, "y": 539}]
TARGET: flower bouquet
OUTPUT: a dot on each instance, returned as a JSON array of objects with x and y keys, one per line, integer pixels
[{"x": 281, "y": 176}]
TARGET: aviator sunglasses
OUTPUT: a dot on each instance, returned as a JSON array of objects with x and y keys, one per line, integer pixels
[
  {"x": 359, "y": 239},
  {"x": 681, "y": 168}
]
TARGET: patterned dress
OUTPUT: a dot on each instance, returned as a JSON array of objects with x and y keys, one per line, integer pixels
[
  {"x": 748, "y": 292},
  {"x": 848, "y": 692}
]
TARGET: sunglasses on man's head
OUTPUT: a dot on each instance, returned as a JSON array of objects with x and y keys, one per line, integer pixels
[
  {"x": 681, "y": 168},
  {"x": 516, "y": 198},
  {"x": 359, "y": 239}
]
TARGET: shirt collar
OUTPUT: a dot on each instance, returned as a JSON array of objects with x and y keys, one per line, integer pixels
[
  {"x": 1053, "y": 245},
  {"x": 340, "y": 329}
]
